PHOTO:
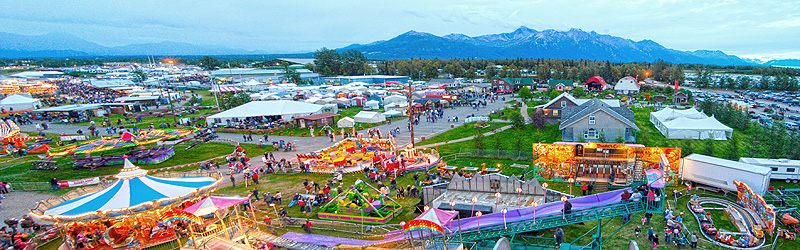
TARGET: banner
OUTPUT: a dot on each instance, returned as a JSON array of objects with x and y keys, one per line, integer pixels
[{"x": 78, "y": 183}]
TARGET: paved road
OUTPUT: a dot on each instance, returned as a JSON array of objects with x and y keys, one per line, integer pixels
[{"x": 309, "y": 144}]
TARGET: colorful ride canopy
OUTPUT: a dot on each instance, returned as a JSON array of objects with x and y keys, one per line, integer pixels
[
  {"x": 133, "y": 189},
  {"x": 125, "y": 140}
]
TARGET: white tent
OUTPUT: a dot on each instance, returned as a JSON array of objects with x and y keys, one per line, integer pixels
[
  {"x": 394, "y": 99},
  {"x": 391, "y": 113},
  {"x": 284, "y": 109},
  {"x": 369, "y": 117},
  {"x": 658, "y": 118},
  {"x": 698, "y": 129},
  {"x": 342, "y": 100},
  {"x": 19, "y": 103},
  {"x": 346, "y": 122},
  {"x": 312, "y": 100},
  {"x": 372, "y": 104}
]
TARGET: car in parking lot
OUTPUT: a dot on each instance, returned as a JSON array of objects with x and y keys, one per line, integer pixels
[
  {"x": 794, "y": 117},
  {"x": 792, "y": 125}
]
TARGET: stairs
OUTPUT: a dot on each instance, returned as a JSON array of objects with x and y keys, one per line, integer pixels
[
  {"x": 638, "y": 171},
  {"x": 600, "y": 187}
]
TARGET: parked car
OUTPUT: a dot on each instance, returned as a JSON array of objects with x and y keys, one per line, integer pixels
[{"x": 792, "y": 125}]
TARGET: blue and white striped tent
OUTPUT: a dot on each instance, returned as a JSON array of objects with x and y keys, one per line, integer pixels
[{"x": 133, "y": 189}]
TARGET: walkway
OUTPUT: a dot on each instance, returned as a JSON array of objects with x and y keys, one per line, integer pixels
[
  {"x": 467, "y": 138},
  {"x": 524, "y": 112}
]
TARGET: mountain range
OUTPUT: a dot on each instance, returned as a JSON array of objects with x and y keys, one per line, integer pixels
[{"x": 521, "y": 43}]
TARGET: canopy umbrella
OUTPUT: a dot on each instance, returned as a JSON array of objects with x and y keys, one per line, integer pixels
[{"x": 213, "y": 204}]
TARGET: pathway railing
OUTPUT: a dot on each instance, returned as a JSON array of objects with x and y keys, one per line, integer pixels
[{"x": 602, "y": 211}]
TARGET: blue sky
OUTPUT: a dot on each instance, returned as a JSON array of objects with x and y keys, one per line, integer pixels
[{"x": 754, "y": 29}]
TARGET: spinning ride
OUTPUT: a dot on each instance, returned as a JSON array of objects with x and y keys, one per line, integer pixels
[
  {"x": 125, "y": 140},
  {"x": 361, "y": 203},
  {"x": 131, "y": 212}
]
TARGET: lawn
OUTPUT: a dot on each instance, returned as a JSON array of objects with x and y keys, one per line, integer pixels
[
  {"x": 22, "y": 173},
  {"x": 511, "y": 139},
  {"x": 465, "y": 130},
  {"x": 146, "y": 120},
  {"x": 504, "y": 114}
]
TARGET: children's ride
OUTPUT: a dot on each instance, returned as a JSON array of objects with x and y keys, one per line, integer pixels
[
  {"x": 346, "y": 152},
  {"x": 361, "y": 203},
  {"x": 126, "y": 140}
]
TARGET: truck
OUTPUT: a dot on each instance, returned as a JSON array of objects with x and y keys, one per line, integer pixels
[
  {"x": 720, "y": 173},
  {"x": 782, "y": 169}
]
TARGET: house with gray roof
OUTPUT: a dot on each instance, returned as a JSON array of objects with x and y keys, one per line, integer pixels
[{"x": 594, "y": 120}]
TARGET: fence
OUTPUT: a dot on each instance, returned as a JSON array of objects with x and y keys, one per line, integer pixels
[{"x": 497, "y": 154}]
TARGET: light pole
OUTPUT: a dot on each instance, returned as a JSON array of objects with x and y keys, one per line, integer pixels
[
  {"x": 452, "y": 206},
  {"x": 571, "y": 180},
  {"x": 497, "y": 200},
  {"x": 478, "y": 214},
  {"x": 505, "y": 225},
  {"x": 410, "y": 115},
  {"x": 534, "y": 204},
  {"x": 544, "y": 186},
  {"x": 426, "y": 208},
  {"x": 474, "y": 199},
  {"x": 519, "y": 197}
]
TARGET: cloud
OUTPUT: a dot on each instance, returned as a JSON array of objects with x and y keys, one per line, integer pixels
[{"x": 786, "y": 23}]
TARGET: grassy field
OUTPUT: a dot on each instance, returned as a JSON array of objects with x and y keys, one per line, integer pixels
[
  {"x": 19, "y": 171},
  {"x": 511, "y": 139},
  {"x": 462, "y": 131},
  {"x": 504, "y": 114}
]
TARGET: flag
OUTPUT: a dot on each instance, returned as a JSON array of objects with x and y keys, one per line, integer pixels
[{"x": 676, "y": 86}]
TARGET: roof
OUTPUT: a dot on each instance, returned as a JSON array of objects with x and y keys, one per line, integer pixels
[
  {"x": 730, "y": 164},
  {"x": 554, "y": 82},
  {"x": 770, "y": 162},
  {"x": 597, "y": 79},
  {"x": 269, "y": 108},
  {"x": 442, "y": 81},
  {"x": 517, "y": 81},
  {"x": 610, "y": 102},
  {"x": 303, "y": 61},
  {"x": 315, "y": 117},
  {"x": 627, "y": 83},
  {"x": 136, "y": 98},
  {"x": 572, "y": 114},
  {"x": 17, "y": 99},
  {"x": 708, "y": 123},
  {"x": 71, "y": 107}
]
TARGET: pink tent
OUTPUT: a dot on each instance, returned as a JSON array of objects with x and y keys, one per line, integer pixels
[
  {"x": 127, "y": 136},
  {"x": 213, "y": 204}
]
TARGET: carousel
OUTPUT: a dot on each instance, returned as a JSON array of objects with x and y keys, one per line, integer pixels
[{"x": 135, "y": 211}]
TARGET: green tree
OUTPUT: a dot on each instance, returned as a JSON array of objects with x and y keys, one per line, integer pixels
[
  {"x": 733, "y": 149},
  {"x": 525, "y": 93},
  {"x": 291, "y": 74},
  {"x": 517, "y": 121},
  {"x": 578, "y": 92},
  {"x": 230, "y": 100},
  {"x": 478, "y": 140},
  {"x": 209, "y": 63},
  {"x": 327, "y": 62},
  {"x": 138, "y": 75}
]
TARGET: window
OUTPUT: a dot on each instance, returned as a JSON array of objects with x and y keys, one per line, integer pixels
[
  {"x": 563, "y": 104},
  {"x": 555, "y": 112},
  {"x": 590, "y": 134},
  {"x": 790, "y": 170},
  {"x": 591, "y": 120},
  {"x": 774, "y": 169}
]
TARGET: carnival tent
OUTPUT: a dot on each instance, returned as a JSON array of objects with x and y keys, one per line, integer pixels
[
  {"x": 346, "y": 122},
  {"x": 698, "y": 129},
  {"x": 284, "y": 109},
  {"x": 19, "y": 102},
  {"x": 391, "y": 113},
  {"x": 434, "y": 219},
  {"x": 394, "y": 99},
  {"x": 373, "y": 104},
  {"x": 213, "y": 204},
  {"x": 134, "y": 188},
  {"x": 369, "y": 117}
]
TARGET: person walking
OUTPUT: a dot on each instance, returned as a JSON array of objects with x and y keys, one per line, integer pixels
[
  {"x": 648, "y": 216},
  {"x": 255, "y": 177},
  {"x": 566, "y": 210},
  {"x": 255, "y": 193},
  {"x": 233, "y": 180},
  {"x": 54, "y": 184},
  {"x": 584, "y": 188},
  {"x": 693, "y": 240},
  {"x": 559, "y": 236}
]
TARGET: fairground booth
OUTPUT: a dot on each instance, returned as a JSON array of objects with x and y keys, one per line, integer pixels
[
  {"x": 136, "y": 211},
  {"x": 612, "y": 163}
]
